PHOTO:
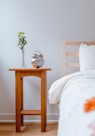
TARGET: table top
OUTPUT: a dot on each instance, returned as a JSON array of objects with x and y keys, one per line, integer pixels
[{"x": 29, "y": 69}]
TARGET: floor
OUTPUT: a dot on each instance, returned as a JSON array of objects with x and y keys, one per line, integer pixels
[{"x": 30, "y": 129}]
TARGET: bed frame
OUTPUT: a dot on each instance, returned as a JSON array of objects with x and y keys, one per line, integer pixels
[{"x": 66, "y": 54}]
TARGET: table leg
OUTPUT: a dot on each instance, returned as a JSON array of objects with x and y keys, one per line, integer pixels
[
  {"x": 21, "y": 82},
  {"x": 19, "y": 118},
  {"x": 43, "y": 101}
]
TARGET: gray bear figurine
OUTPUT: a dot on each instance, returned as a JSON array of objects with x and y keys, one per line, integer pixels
[{"x": 37, "y": 59}]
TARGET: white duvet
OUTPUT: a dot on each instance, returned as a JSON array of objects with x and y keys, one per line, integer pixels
[{"x": 71, "y": 92}]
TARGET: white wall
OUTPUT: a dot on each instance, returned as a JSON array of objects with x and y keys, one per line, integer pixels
[{"x": 46, "y": 23}]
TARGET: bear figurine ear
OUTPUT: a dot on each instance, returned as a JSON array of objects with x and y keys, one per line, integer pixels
[
  {"x": 40, "y": 55},
  {"x": 34, "y": 55}
]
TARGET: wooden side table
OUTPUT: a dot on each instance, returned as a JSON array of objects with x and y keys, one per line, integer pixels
[{"x": 19, "y": 74}]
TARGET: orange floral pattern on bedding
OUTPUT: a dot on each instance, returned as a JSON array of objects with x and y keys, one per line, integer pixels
[{"x": 89, "y": 105}]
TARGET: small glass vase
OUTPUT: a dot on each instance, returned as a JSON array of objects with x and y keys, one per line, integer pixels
[{"x": 23, "y": 65}]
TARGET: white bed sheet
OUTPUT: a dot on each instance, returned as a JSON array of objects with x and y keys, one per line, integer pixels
[{"x": 71, "y": 92}]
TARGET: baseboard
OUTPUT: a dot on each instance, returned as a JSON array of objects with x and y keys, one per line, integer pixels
[{"x": 6, "y": 117}]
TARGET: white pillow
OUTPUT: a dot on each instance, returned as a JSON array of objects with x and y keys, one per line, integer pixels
[{"x": 87, "y": 57}]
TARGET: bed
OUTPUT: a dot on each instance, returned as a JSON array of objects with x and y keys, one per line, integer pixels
[{"x": 74, "y": 93}]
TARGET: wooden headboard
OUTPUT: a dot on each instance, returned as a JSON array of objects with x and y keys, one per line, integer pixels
[{"x": 66, "y": 53}]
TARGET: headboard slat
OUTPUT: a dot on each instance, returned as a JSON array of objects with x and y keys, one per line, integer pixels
[
  {"x": 72, "y": 54},
  {"x": 71, "y": 43},
  {"x": 75, "y": 65}
]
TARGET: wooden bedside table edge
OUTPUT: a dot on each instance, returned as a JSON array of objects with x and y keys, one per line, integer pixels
[{"x": 29, "y": 69}]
